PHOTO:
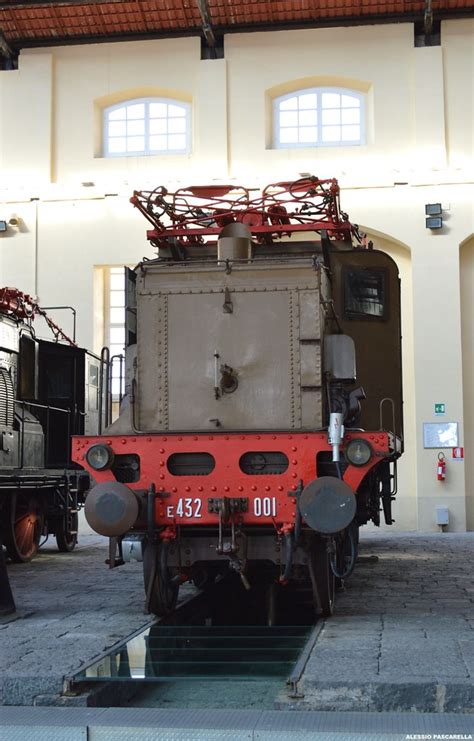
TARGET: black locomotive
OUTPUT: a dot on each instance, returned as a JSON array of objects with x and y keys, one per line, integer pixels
[{"x": 49, "y": 391}]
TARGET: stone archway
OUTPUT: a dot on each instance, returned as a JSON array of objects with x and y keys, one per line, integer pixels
[
  {"x": 405, "y": 506},
  {"x": 466, "y": 266}
]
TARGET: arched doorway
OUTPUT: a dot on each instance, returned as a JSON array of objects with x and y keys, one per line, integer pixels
[{"x": 466, "y": 265}]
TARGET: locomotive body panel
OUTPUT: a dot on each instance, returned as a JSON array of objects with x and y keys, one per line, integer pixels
[{"x": 264, "y": 322}]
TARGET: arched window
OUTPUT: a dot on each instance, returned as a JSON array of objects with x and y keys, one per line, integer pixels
[
  {"x": 319, "y": 117},
  {"x": 147, "y": 126}
]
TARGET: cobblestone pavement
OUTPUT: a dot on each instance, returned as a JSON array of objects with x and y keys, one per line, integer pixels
[
  {"x": 402, "y": 637},
  {"x": 70, "y": 608}
]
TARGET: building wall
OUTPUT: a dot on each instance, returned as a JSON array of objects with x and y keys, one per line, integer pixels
[
  {"x": 73, "y": 211},
  {"x": 467, "y": 324}
]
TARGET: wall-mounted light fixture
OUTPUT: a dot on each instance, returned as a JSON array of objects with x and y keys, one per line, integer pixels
[
  {"x": 3, "y": 226},
  {"x": 434, "y": 218}
]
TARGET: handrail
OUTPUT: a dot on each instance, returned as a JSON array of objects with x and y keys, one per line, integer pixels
[
  {"x": 104, "y": 361},
  {"x": 43, "y": 406},
  {"x": 121, "y": 360},
  {"x": 393, "y": 428}
]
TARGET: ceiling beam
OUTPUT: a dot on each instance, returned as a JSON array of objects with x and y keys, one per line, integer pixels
[
  {"x": 5, "y": 50},
  {"x": 206, "y": 23}
]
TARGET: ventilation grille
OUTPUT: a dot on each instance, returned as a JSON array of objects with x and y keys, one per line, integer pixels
[
  {"x": 7, "y": 400},
  {"x": 191, "y": 464},
  {"x": 256, "y": 463}
]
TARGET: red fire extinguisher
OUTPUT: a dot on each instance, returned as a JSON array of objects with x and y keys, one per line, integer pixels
[{"x": 441, "y": 467}]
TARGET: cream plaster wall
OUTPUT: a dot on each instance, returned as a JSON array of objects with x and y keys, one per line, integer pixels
[
  {"x": 467, "y": 322},
  {"x": 418, "y": 150}
]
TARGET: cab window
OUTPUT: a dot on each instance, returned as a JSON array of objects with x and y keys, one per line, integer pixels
[{"x": 365, "y": 293}]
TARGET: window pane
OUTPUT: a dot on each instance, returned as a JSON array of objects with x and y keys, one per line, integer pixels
[
  {"x": 331, "y": 100},
  {"x": 177, "y": 142},
  {"x": 136, "y": 111},
  {"x": 291, "y": 104},
  {"x": 331, "y": 134},
  {"x": 116, "y": 350},
  {"x": 117, "y": 146},
  {"x": 117, "y": 298},
  {"x": 117, "y": 283},
  {"x": 117, "y": 128},
  {"x": 135, "y": 128},
  {"x": 158, "y": 143},
  {"x": 308, "y": 118},
  {"x": 158, "y": 110},
  {"x": 117, "y": 115},
  {"x": 349, "y": 101},
  {"x": 175, "y": 110},
  {"x": 365, "y": 292},
  {"x": 289, "y": 119},
  {"x": 331, "y": 117},
  {"x": 117, "y": 336},
  {"x": 117, "y": 316},
  {"x": 307, "y": 101},
  {"x": 350, "y": 116},
  {"x": 350, "y": 133},
  {"x": 176, "y": 125},
  {"x": 136, "y": 144},
  {"x": 116, "y": 271},
  {"x": 319, "y": 116},
  {"x": 115, "y": 387},
  {"x": 288, "y": 136},
  {"x": 309, "y": 134},
  {"x": 158, "y": 126}
]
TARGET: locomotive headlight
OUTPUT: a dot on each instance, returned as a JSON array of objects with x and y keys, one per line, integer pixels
[
  {"x": 358, "y": 452},
  {"x": 100, "y": 457}
]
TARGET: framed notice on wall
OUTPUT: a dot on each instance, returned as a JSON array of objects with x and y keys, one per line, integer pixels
[{"x": 440, "y": 434}]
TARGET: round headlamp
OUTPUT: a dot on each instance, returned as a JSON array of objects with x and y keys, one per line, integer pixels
[
  {"x": 100, "y": 457},
  {"x": 358, "y": 452}
]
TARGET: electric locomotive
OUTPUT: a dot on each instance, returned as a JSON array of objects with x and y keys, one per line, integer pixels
[
  {"x": 262, "y": 419},
  {"x": 49, "y": 390}
]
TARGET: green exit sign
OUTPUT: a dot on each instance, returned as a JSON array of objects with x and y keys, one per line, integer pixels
[{"x": 440, "y": 408}]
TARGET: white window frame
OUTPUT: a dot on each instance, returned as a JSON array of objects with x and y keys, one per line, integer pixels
[
  {"x": 147, "y": 152},
  {"x": 318, "y": 91}
]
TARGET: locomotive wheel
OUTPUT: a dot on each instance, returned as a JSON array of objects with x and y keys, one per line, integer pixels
[
  {"x": 322, "y": 577},
  {"x": 24, "y": 526},
  {"x": 65, "y": 539},
  {"x": 161, "y": 593}
]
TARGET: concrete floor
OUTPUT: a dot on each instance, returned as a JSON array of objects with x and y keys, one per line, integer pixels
[{"x": 402, "y": 637}]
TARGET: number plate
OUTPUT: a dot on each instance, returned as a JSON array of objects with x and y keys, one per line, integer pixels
[
  {"x": 192, "y": 508},
  {"x": 187, "y": 507}
]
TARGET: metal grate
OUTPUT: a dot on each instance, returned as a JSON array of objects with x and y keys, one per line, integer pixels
[{"x": 7, "y": 401}]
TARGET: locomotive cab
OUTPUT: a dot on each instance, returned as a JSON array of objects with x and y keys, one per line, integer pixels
[{"x": 263, "y": 411}]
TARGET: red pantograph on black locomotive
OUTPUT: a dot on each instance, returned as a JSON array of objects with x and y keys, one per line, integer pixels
[{"x": 246, "y": 440}]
